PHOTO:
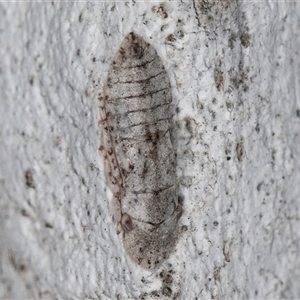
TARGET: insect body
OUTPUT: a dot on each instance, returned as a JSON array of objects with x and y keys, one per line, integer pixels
[{"x": 139, "y": 155}]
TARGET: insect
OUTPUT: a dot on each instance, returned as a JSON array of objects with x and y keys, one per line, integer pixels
[{"x": 138, "y": 153}]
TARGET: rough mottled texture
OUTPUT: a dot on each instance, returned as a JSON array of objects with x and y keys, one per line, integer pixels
[
  {"x": 138, "y": 153},
  {"x": 234, "y": 72}
]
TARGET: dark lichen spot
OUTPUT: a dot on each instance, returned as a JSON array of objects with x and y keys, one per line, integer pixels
[
  {"x": 245, "y": 39},
  {"x": 31, "y": 80},
  {"x": 29, "y": 179},
  {"x": 19, "y": 267},
  {"x": 188, "y": 125},
  {"x": 259, "y": 186},
  {"x": 48, "y": 225},
  {"x": 217, "y": 272},
  {"x": 257, "y": 128},
  {"x": 23, "y": 268},
  {"x": 245, "y": 88},
  {"x": 24, "y": 213},
  {"x": 203, "y": 6},
  {"x": 219, "y": 80},
  {"x": 166, "y": 291},
  {"x": 160, "y": 11},
  {"x": 240, "y": 151},
  {"x": 168, "y": 279},
  {"x": 232, "y": 40},
  {"x": 213, "y": 114},
  {"x": 179, "y": 34}
]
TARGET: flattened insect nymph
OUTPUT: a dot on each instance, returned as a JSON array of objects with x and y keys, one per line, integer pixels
[{"x": 138, "y": 153}]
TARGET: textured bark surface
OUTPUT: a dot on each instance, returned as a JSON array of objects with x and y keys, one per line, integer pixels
[{"x": 234, "y": 72}]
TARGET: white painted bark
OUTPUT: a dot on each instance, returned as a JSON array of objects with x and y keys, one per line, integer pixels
[{"x": 234, "y": 70}]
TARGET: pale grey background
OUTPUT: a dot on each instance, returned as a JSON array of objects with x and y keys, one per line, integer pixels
[{"x": 234, "y": 71}]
